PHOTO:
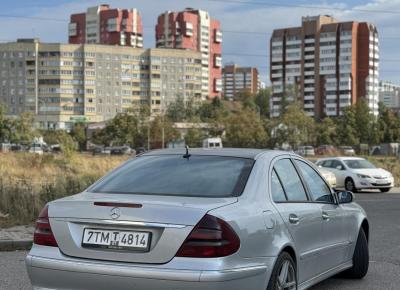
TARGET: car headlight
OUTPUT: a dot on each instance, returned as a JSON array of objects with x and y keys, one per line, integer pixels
[{"x": 363, "y": 176}]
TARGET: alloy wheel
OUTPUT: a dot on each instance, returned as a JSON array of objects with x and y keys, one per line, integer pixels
[{"x": 286, "y": 279}]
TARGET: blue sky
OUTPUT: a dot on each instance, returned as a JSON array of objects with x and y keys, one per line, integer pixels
[{"x": 245, "y": 16}]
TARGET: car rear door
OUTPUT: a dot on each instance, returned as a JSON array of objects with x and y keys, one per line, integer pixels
[
  {"x": 335, "y": 236},
  {"x": 302, "y": 217}
]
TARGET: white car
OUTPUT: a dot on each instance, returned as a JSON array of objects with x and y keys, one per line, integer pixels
[
  {"x": 354, "y": 174},
  {"x": 36, "y": 148},
  {"x": 305, "y": 151},
  {"x": 329, "y": 176}
]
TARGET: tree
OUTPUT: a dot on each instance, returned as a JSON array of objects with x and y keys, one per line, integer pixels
[
  {"x": 365, "y": 123},
  {"x": 177, "y": 111},
  {"x": 194, "y": 137},
  {"x": 67, "y": 144},
  {"x": 346, "y": 128},
  {"x": 245, "y": 130},
  {"x": 122, "y": 130},
  {"x": 294, "y": 127},
  {"x": 326, "y": 132},
  {"x": 262, "y": 100},
  {"x": 388, "y": 125},
  {"x": 23, "y": 131},
  {"x": 213, "y": 111},
  {"x": 290, "y": 95},
  {"x": 78, "y": 133},
  {"x": 6, "y": 126},
  {"x": 156, "y": 131}
]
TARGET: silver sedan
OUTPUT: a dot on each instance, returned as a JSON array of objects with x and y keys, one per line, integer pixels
[{"x": 201, "y": 220}]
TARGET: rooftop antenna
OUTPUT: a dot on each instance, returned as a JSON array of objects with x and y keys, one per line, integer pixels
[{"x": 187, "y": 155}]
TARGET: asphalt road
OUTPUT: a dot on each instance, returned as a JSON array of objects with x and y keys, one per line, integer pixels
[{"x": 384, "y": 215}]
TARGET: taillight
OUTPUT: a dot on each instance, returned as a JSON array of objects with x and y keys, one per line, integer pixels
[
  {"x": 210, "y": 238},
  {"x": 43, "y": 234}
]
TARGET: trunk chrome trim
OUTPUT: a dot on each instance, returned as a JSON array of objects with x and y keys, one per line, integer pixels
[{"x": 121, "y": 223}]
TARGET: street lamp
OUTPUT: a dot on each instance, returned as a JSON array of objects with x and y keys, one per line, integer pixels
[
  {"x": 45, "y": 116},
  {"x": 162, "y": 121}
]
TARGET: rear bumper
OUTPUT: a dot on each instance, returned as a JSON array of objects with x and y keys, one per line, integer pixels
[{"x": 53, "y": 273}]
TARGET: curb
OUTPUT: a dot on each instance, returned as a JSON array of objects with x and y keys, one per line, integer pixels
[{"x": 13, "y": 245}]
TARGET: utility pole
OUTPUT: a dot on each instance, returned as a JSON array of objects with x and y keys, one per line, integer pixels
[
  {"x": 148, "y": 135},
  {"x": 162, "y": 121}
]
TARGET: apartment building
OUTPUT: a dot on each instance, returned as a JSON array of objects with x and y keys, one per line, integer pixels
[
  {"x": 389, "y": 95},
  {"x": 195, "y": 30},
  {"x": 66, "y": 83},
  {"x": 237, "y": 79},
  {"x": 103, "y": 25},
  {"x": 326, "y": 65}
]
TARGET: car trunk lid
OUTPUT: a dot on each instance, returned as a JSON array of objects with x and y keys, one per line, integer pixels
[{"x": 167, "y": 219}]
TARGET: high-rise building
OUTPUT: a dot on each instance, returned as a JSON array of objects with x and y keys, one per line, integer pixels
[
  {"x": 389, "y": 95},
  {"x": 325, "y": 64},
  {"x": 65, "y": 83},
  {"x": 103, "y": 25},
  {"x": 195, "y": 30},
  {"x": 237, "y": 79}
]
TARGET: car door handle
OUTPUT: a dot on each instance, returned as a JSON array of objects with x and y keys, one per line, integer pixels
[
  {"x": 325, "y": 216},
  {"x": 294, "y": 219}
]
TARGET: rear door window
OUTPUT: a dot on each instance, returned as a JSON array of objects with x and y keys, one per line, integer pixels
[{"x": 291, "y": 181}]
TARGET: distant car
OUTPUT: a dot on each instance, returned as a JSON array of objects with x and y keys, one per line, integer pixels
[
  {"x": 347, "y": 150},
  {"x": 354, "y": 174},
  {"x": 36, "y": 148},
  {"x": 140, "y": 150},
  {"x": 101, "y": 151},
  {"x": 202, "y": 219},
  {"x": 305, "y": 151},
  {"x": 212, "y": 143},
  {"x": 121, "y": 150},
  {"x": 329, "y": 176},
  {"x": 326, "y": 150},
  {"x": 17, "y": 147}
]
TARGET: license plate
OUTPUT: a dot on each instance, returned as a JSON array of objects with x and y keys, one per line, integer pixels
[
  {"x": 116, "y": 239},
  {"x": 383, "y": 181}
]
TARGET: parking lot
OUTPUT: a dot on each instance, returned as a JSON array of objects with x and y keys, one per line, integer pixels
[{"x": 384, "y": 215}]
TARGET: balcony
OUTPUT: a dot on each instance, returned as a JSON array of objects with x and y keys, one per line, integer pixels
[
  {"x": 72, "y": 29},
  {"x": 218, "y": 36},
  {"x": 217, "y": 61},
  {"x": 218, "y": 85}
]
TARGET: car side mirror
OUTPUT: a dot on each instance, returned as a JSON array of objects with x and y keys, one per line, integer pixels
[
  {"x": 344, "y": 197},
  {"x": 339, "y": 167}
]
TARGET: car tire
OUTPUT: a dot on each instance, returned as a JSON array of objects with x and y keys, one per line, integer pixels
[
  {"x": 279, "y": 275},
  {"x": 384, "y": 189},
  {"x": 360, "y": 258},
  {"x": 349, "y": 185}
]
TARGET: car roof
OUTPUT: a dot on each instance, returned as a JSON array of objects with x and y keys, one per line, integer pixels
[{"x": 228, "y": 152}]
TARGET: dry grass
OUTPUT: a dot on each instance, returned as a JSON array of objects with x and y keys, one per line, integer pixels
[{"x": 29, "y": 181}]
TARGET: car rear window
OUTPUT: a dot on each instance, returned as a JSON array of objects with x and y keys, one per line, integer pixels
[{"x": 197, "y": 176}]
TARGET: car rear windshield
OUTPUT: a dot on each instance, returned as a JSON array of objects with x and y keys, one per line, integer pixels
[
  {"x": 359, "y": 164},
  {"x": 197, "y": 176}
]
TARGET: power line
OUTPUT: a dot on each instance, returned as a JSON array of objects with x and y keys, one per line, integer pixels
[
  {"x": 268, "y": 3},
  {"x": 33, "y": 18},
  {"x": 152, "y": 27},
  {"x": 267, "y": 56},
  {"x": 380, "y": 70}
]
